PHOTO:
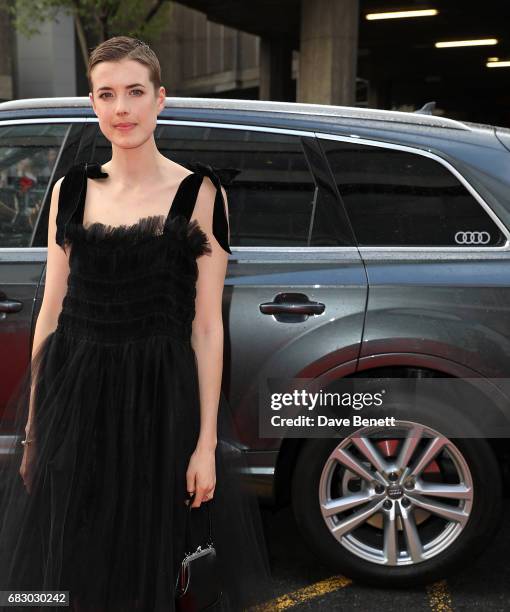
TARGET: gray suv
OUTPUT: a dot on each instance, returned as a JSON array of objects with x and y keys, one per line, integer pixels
[{"x": 365, "y": 243}]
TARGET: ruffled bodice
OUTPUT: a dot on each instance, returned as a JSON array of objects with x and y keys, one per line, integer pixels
[{"x": 134, "y": 281}]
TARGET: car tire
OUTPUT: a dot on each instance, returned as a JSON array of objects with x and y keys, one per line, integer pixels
[{"x": 349, "y": 555}]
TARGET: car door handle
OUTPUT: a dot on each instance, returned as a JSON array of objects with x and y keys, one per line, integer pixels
[
  {"x": 7, "y": 306},
  {"x": 292, "y": 307}
]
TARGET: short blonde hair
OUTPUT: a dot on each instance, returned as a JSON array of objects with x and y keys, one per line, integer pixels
[{"x": 124, "y": 47}]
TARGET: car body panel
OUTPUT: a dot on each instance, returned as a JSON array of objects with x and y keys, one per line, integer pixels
[{"x": 442, "y": 309}]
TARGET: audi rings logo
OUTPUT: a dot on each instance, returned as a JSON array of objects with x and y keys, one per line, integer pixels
[{"x": 472, "y": 237}]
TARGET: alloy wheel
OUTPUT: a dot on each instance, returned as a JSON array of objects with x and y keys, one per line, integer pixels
[{"x": 396, "y": 499}]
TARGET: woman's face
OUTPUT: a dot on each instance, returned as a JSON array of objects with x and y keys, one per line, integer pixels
[{"x": 123, "y": 94}]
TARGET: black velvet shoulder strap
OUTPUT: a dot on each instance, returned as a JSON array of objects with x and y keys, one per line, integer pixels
[
  {"x": 70, "y": 200},
  {"x": 188, "y": 196}
]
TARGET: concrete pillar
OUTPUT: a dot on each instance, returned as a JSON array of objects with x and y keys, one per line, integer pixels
[
  {"x": 46, "y": 61},
  {"x": 328, "y": 51},
  {"x": 6, "y": 64},
  {"x": 275, "y": 64}
]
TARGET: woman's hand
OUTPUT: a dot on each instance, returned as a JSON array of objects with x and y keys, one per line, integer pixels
[
  {"x": 27, "y": 465},
  {"x": 201, "y": 475}
]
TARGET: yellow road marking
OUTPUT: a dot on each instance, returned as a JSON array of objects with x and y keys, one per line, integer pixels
[
  {"x": 318, "y": 589},
  {"x": 439, "y": 597}
]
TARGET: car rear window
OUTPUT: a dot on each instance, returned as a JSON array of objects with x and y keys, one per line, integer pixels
[{"x": 398, "y": 198}]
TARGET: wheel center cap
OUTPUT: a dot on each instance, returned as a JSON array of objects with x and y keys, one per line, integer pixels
[{"x": 394, "y": 491}]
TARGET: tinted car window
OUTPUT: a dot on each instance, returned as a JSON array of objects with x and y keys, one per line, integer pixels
[
  {"x": 28, "y": 154},
  {"x": 398, "y": 198},
  {"x": 273, "y": 198}
]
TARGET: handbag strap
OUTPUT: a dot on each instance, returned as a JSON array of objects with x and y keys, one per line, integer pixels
[{"x": 189, "y": 501}]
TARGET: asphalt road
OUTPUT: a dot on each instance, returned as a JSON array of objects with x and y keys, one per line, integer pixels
[{"x": 302, "y": 583}]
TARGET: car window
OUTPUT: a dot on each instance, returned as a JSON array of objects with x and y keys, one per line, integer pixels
[
  {"x": 28, "y": 153},
  {"x": 399, "y": 198},
  {"x": 273, "y": 198}
]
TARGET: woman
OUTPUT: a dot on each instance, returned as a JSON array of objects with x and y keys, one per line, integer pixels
[{"x": 123, "y": 410}]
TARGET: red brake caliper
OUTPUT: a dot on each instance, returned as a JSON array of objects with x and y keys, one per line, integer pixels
[{"x": 389, "y": 448}]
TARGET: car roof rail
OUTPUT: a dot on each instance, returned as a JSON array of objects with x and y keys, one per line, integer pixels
[{"x": 234, "y": 104}]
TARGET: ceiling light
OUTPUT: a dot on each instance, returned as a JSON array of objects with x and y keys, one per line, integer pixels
[
  {"x": 401, "y": 14},
  {"x": 498, "y": 64},
  {"x": 467, "y": 43}
]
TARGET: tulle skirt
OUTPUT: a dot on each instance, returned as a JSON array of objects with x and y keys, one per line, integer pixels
[{"x": 101, "y": 511}]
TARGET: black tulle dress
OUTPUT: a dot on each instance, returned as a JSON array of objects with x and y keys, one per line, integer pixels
[{"x": 116, "y": 419}]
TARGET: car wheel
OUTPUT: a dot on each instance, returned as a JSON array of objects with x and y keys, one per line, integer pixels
[{"x": 398, "y": 506}]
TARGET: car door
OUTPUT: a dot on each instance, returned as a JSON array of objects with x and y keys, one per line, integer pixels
[
  {"x": 436, "y": 257},
  {"x": 30, "y": 152}
]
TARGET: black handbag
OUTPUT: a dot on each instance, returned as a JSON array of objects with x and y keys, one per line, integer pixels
[{"x": 198, "y": 582}]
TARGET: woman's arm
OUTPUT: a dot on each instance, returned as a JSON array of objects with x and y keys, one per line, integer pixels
[
  {"x": 57, "y": 271},
  {"x": 207, "y": 332},
  {"x": 207, "y": 336}
]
